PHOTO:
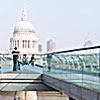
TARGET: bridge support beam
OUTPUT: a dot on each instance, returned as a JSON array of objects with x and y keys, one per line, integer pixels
[{"x": 71, "y": 98}]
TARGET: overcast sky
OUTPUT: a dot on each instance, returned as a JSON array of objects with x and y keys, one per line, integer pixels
[{"x": 67, "y": 22}]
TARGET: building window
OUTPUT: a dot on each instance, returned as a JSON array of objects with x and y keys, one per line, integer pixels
[
  {"x": 33, "y": 43},
  {"x": 23, "y": 44},
  {"x": 28, "y": 43},
  {"x": 15, "y": 43},
  {"x": 18, "y": 43}
]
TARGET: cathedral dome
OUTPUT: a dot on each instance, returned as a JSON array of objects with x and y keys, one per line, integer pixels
[
  {"x": 24, "y": 26},
  {"x": 24, "y": 37}
]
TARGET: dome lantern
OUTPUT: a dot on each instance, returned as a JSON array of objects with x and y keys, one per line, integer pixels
[
  {"x": 24, "y": 14},
  {"x": 24, "y": 25}
]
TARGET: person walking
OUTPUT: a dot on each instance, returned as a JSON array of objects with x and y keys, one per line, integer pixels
[
  {"x": 15, "y": 58},
  {"x": 49, "y": 57}
]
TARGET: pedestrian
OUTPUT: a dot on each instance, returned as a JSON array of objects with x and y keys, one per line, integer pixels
[
  {"x": 49, "y": 57},
  {"x": 32, "y": 60},
  {"x": 19, "y": 62},
  {"x": 15, "y": 58},
  {"x": 25, "y": 60}
]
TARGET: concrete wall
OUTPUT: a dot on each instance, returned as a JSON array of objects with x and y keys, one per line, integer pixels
[
  {"x": 51, "y": 98},
  {"x": 2, "y": 97},
  {"x": 33, "y": 95},
  {"x": 28, "y": 95},
  {"x": 72, "y": 90},
  {"x": 22, "y": 82}
]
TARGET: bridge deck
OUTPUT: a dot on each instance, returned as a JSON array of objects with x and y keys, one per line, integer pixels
[
  {"x": 39, "y": 79},
  {"x": 75, "y": 77},
  {"x": 29, "y": 78}
]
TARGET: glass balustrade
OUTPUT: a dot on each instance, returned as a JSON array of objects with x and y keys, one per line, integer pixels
[
  {"x": 80, "y": 66},
  {"x": 24, "y": 62}
]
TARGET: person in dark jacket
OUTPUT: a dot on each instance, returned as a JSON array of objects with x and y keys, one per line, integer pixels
[
  {"x": 32, "y": 60},
  {"x": 15, "y": 58}
]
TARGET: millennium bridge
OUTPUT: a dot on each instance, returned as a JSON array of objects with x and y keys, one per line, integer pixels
[{"x": 73, "y": 72}]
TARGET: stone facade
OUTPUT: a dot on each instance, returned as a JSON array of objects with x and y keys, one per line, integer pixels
[
  {"x": 31, "y": 95},
  {"x": 24, "y": 36},
  {"x": 51, "y": 96}
]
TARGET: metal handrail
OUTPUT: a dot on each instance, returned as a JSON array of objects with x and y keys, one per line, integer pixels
[{"x": 80, "y": 49}]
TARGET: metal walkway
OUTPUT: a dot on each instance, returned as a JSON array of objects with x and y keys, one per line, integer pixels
[{"x": 73, "y": 72}]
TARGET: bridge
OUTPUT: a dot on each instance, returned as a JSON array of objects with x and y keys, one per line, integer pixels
[{"x": 72, "y": 72}]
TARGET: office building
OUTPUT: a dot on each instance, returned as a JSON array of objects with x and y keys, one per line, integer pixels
[
  {"x": 40, "y": 48},
  {"x": 51, "y": 46}
]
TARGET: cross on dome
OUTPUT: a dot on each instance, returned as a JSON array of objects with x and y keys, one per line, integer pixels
[{"x": 24, "y": 14}]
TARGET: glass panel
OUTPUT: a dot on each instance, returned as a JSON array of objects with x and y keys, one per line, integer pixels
[
  {"x": 78, "y": 67},
  {"x": 91, "y": 69},
  {"x": 5, "y": 63},
  {"x": 32, "y": 63}
]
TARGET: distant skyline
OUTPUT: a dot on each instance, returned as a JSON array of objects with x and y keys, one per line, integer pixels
[
  {"x": 51, "y": 46},
  {"x": 67, "y": 22}
]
